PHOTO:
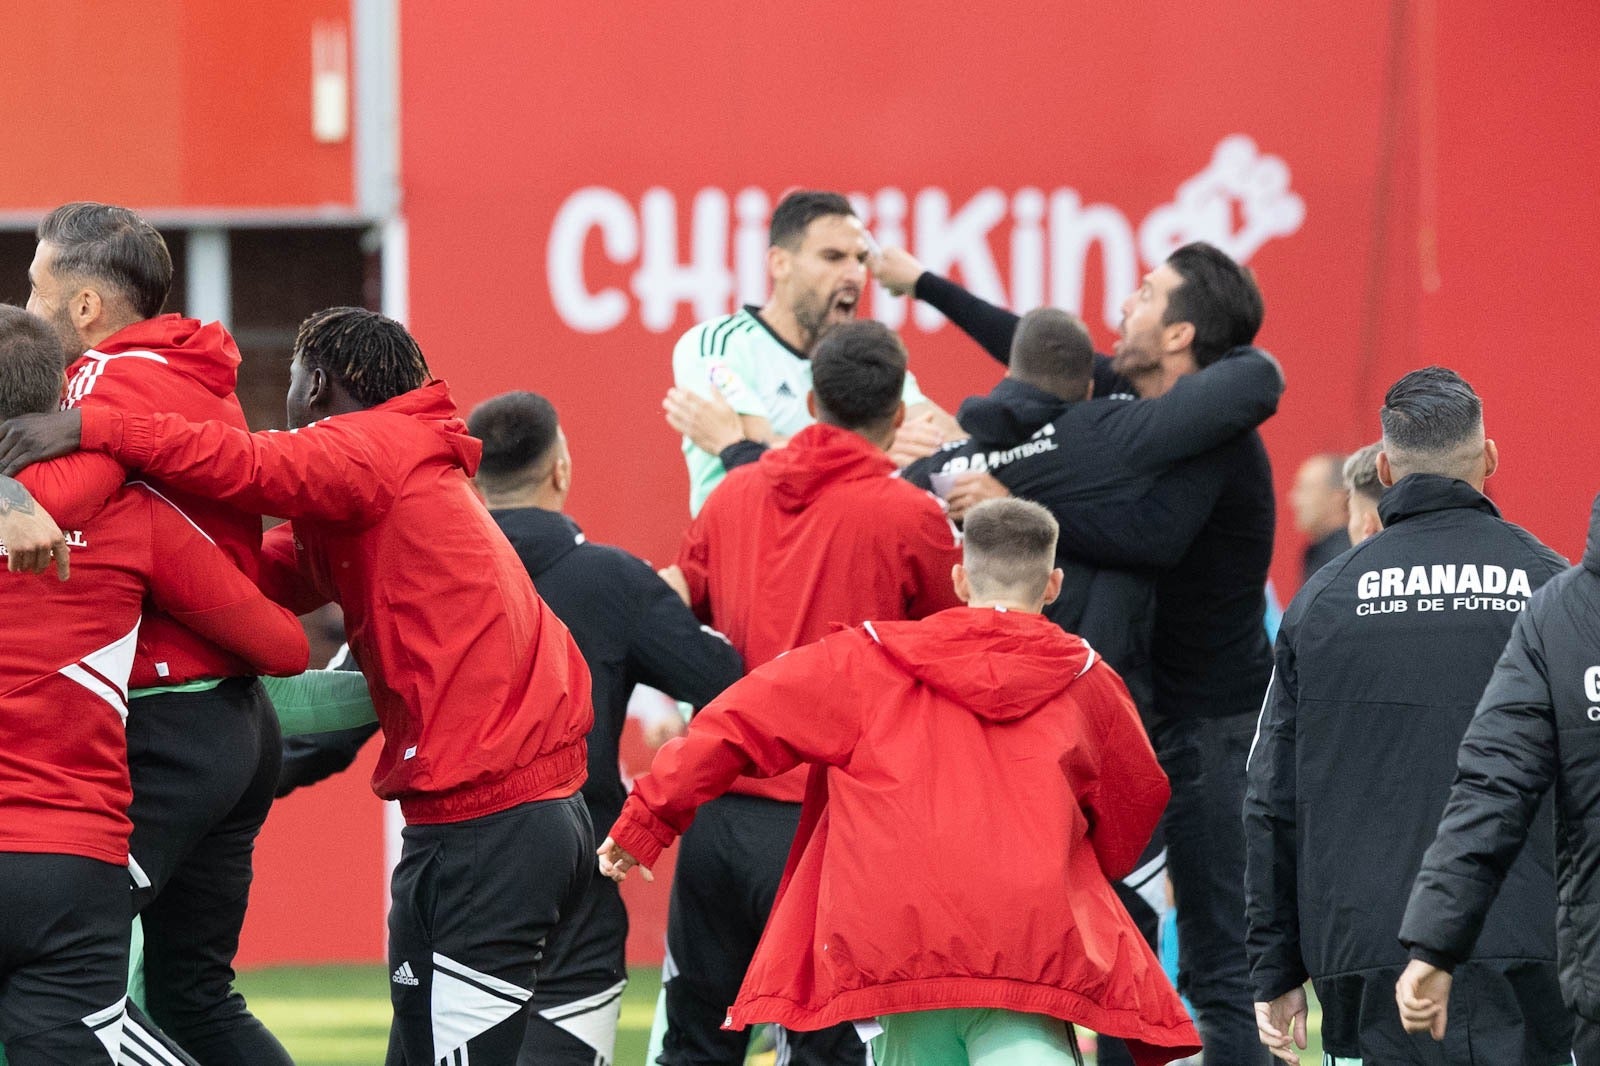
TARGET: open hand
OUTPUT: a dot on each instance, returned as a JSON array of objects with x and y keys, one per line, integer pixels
[
  {"x": 710, "y": 423},
  {"x": 615, "y": 863},
  {"x": 971, "y": 489}
]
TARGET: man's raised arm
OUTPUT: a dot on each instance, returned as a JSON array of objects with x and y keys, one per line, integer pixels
[
  {"x": 1201, "y": 411},
  {"x": 329, "y": 471}
]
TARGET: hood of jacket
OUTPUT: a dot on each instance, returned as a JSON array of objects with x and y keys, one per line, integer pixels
[
  {"x": 542, "y": 538},
  {"x": 999, "y": 665},
  {"x": 817, "y": 457},
  {"x": 432, "y": 406},
  {"x": 1417, "y": 494},
  {"x": 205, "y": 352},
  {"x": 1012, "y": 411}
]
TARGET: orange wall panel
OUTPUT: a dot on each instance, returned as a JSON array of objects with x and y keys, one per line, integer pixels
[{"x": 166, "y": 103}]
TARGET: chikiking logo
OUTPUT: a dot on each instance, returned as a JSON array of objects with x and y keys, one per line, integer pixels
[
  {"x": 1239, "y": 201},
  {"x": 1591, "y": 690}
]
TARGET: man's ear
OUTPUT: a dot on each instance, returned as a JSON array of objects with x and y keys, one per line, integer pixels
[
  {"x": 811, "y": 405},
  {"x": 1370, "y": 523},
  {"x": 1491, "y": 457},
  {"x": 779, "y": 262},
  {"x": 561, "y": 474},
  {"x": 86, "y": 309},
  {"x": 319, "y": 389},
  {"x": 1385, "y": 471},
  {"x": 1179, "y": 336},
  {"x": 1052, "y": 588},
  {"x": 900, "y": 415},
  {"x": 958, "y": 576}
]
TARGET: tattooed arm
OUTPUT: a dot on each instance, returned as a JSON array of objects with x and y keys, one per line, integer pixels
[{"x": 30, "y": 536}]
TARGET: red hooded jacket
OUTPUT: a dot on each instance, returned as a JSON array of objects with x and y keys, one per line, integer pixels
[
  {"x": 978, "y": 779},
  {"x": 482, "y": 694},
  {"x": 168, "y": 363},
  {"x": 817, "y": 534},
  {"x": 64, "y": 681}
]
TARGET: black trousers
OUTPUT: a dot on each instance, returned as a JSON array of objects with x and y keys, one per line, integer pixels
[
  {"x": 1204, "y": 759},
  {"x": 578, "y": 999},
  {"x": 729, "y": 865},
  {"x": 64, "y": 923},
  {"x": 474, "y": 903},
  {"x": 204, "y": 766}
]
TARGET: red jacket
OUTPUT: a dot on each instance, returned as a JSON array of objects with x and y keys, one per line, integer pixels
[
  {"x": 65, "y": 652},
  {"x": 481, "y": 692},
  {"x": 173, "y": 364},
  {"x": 816, "y": 534},
  {"x": 978, "y": 779}
]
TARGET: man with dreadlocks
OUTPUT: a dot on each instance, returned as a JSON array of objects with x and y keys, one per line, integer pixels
[{"x": 481, "y": 692}]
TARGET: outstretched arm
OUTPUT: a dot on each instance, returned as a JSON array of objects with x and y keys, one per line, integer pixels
[
  {"x": 336, "y": 470},
  {"x": 671, "y": 651},
  {"x": 779, "y": 716},
  {"x": 1234, "y": 394}
]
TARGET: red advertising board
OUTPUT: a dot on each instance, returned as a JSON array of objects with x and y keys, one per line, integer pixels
[
  {"x": 1407, "y": 180},
  {"x": 1402, "y": 178}
]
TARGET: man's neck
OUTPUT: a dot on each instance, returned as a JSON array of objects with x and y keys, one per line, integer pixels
[
  {"x": 544, "y": 498},
  {"x": 1013, "y": 606},
  {"x": 93, "y": 339},
  {"x": 779, "y": 317}
]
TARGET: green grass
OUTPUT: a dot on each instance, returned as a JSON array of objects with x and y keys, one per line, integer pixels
[{"x": 339, "y": 1015}]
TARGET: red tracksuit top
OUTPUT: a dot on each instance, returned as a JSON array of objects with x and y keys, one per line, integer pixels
[
  {"x": 168, "y": 363},
  {"x": 66, "y": 649},
  {"x": 815, "y": 535},
  {"x": 977, "y": 781},
  {"x": 482, "y": 693}
]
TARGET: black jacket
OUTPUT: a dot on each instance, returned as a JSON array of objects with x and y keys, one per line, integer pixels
[
  {"x": 1380, "y": 661},
  {"x": 632, "y": 629},
  {"x": 1206, "y": 523},
  {"x": 1089, "y": 460},
  {"x": 1537, "y": 725}
]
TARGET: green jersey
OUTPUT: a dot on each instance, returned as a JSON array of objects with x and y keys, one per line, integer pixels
[{"x": 757, "y": 372}]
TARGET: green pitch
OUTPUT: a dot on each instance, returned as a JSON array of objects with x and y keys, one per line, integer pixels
[{"x": 339, "y": 1015}]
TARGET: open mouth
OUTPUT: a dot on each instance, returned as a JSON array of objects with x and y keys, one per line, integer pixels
[{"x": 845, "y": 303}]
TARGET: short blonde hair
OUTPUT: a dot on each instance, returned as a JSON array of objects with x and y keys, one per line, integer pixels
[{"x": 1010, "y": 547}]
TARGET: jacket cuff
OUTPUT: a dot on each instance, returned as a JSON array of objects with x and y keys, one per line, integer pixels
[
  {"x": 640, "y": 833},
  {"x": 101, "y": 429},
  {"x": 741, "y": 452},
  {"x": 1438, "y": 960},
  {"x": 129, "y": 439}
]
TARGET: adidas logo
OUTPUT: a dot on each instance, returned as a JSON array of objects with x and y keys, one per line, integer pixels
[
  {"x": 785, "y": 390},
  {"x": 404, "y": 976}
]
